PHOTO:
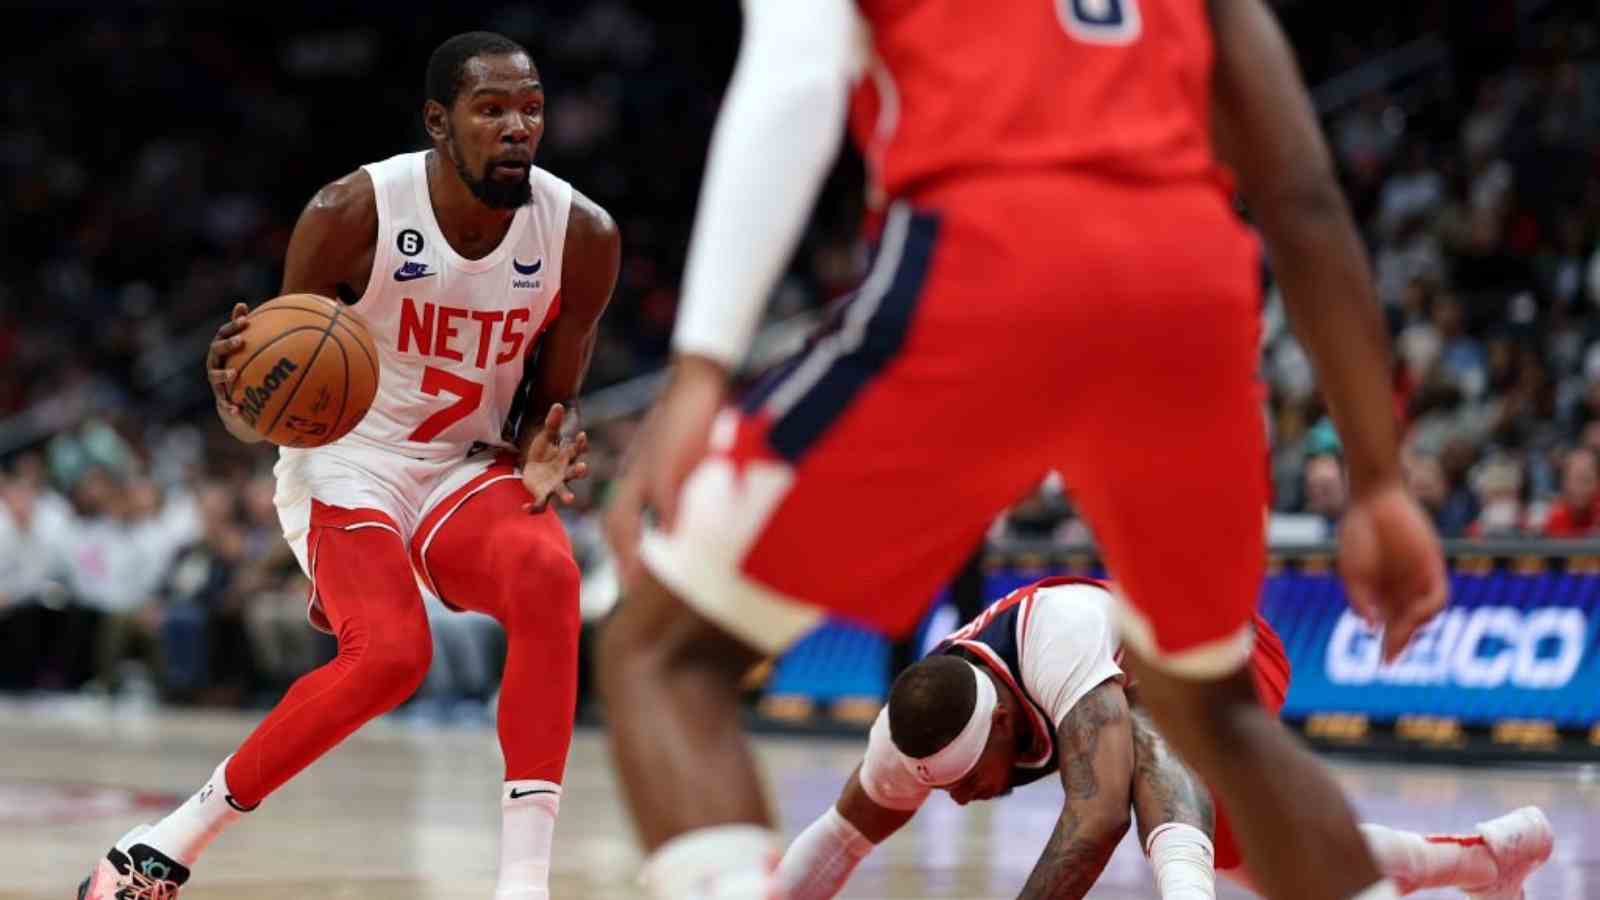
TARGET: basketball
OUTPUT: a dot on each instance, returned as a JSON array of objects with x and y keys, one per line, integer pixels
[{"x": 307, "y": 372}]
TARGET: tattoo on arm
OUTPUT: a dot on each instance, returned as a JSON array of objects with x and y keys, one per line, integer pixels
[
  {"x": 1096, "y": 749},
  {"x": 1164, "y": 790}
]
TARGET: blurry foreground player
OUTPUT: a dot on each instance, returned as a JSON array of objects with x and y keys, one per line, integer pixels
[
  {"x": 1059, "y": 253},
  {"x": 1032, "y": 687},
  {"x": 481, "y": 278}
]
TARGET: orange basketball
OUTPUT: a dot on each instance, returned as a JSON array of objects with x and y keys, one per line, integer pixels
[{"x": 307, "y": 372}]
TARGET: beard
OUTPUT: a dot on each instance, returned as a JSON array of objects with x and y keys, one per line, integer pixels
[{"x": 492, "y": 192}]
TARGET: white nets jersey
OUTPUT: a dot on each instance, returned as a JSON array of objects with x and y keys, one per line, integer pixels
[{"x": 453, "y": 334}]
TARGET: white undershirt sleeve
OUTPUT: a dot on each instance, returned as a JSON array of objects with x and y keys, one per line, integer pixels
[
  {"x": 776, "y": 136},
  {"x": 1069, "y": 646},
  {"x": 820, "y": 860}
]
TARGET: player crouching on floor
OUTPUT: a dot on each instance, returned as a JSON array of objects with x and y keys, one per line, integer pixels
[{"x": 1033, "y": 686}]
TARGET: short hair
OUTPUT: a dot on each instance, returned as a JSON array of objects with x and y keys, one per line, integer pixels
[
  {"x": 930, "y": 703},
  {"x": 448, "y": 64}
]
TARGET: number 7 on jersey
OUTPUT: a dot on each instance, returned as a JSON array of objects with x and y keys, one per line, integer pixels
[{"x": 468, "y": 395}]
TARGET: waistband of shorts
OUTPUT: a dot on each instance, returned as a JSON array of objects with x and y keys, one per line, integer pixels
[
  {"x": 979, "y": 188},
  {"x": 421, "y": 453}
]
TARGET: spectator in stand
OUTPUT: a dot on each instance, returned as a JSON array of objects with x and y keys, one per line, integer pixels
[
  {"x": 1325, "y": 489},
  {"x": 1585, "y": 408},
  {"x": 1365, "y": 138},
  {"x": 1562, "y": 269},
  {"x": 1590, "y": 437},
  {"x": 1461, "y": 356},
  {"x": 1576, "y": 513},
  {"x": 1412, "y": 194},
  {"x": 1485, "y": 126},
  {"x": 1411, "y": 254},
  {"x": 270, "y": 594},
  {"x": 30, "y": 569},
  {"x": 1453, "y": 511},
  {"x": 1498, "y": 483},
  {"x": 140, "y": 534}
]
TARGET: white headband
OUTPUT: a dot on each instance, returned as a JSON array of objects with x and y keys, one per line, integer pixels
[{"x": 956, "y": 759}]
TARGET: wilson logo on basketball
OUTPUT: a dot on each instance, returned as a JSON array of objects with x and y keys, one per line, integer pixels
[{"x": 256, "y": 397}]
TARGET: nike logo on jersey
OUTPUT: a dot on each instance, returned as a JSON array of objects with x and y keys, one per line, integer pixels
[
  {"x": 529, "y": 268},
  {"x": 518, "y": 795},
  {"x": 411, "y": 271}
]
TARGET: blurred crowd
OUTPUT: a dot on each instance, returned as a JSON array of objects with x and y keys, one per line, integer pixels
[
  {"x": 142, "y": 581},
  {"x": 1478, "y": 192},
  {"x": 1481, "y": 205},
  {"x": 161, "y": 574},
  {"x": 150, "y": 173}
]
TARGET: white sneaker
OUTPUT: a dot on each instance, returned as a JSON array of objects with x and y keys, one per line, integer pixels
[
  {"x": 133, "y": 871},
  {"x": 1520, "y": 841}
]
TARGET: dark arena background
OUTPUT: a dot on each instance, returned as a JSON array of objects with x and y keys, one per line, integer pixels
[{"x": 154, "y": 157}]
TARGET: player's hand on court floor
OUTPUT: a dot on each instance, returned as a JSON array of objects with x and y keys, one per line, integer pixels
[
  {"x": 550, "y": 463},
  {"x": 670, "y": 444},
  {"x": 218, "y": 374},
  {"x": 1392, "y": 566}
]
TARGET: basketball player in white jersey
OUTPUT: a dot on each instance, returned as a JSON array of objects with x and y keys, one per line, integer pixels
[
  {"x": 1034, "y": 686},
  {"x": 482, "y": 279}
]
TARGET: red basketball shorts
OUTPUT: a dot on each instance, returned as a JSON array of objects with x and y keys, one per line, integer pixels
[
  {"x": 1007, "y": 328},
  {"x": 352, "y": 486}
]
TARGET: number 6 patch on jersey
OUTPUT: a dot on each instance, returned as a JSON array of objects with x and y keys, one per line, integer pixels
[{"x": 1100, "y": 21}]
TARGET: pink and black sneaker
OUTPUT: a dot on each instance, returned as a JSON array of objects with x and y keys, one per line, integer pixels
[{"x": 134, "y": 871}]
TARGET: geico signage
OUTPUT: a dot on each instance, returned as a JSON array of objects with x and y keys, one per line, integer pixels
[{"x": 1480, "y": 648}]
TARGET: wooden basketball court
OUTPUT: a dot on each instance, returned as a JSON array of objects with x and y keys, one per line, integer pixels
[{"x": 403, "y": 811}]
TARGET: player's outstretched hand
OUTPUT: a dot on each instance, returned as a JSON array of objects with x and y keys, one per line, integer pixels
[
  {"x": 669, "y": 445},
  {"x": 551, "y": 463},
  {"x": 224, "y": 345},
  {"x": 1392, "y": 567}
]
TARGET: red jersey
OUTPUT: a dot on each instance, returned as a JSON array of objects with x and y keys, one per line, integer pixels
[
  {"x": 1565, "y": 521},
  {"x": 1269, "y": 662},
  {"x": 1116, "y": 87}
]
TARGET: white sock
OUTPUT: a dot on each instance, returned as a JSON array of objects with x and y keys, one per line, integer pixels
[
  {"x": 1416, "y": 862},
  {"x": 189, "y": 829},
  {"x": 1183, "y": 860},
  {"x": 724, "y": 862},
  {"x": 527, "y": 827},
  {"x": 1383, "y": 890},
  {"x": 819, "y": 862}
]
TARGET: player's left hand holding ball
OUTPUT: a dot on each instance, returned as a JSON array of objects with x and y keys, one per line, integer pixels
[{"x": 550, "y": 463}]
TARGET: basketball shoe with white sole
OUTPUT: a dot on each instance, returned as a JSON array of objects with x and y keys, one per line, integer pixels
[{"x": 134, "y": 871}]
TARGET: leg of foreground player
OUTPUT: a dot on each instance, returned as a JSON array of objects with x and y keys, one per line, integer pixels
[
  {"x": 493, "y": 557},
  {"x": 1296, "y": 828},
  {"x": 670, "y": 680},
  {"x": 366, "y": 587}
]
